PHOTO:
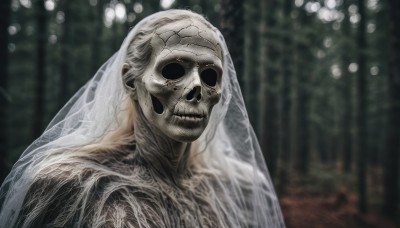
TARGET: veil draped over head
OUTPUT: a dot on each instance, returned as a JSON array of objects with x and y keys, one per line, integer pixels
[{"x": 228, "y": 145}]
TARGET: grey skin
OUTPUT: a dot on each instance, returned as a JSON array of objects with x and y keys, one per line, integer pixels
[
  {"x": 176, "y": 103},
  {"x": 152, "y": 179},
  {"x": 193, "y": 46}
]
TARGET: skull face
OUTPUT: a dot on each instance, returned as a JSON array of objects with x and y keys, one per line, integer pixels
[{"x": 182, "y": 83}]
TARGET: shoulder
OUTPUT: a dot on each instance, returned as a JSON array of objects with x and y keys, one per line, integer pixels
[
  {"x": 67, "y": 186},
  {"x": 50, "y": 193},
  {"x": 79, "y": 163},
  {"x": 62, "y": 175}
]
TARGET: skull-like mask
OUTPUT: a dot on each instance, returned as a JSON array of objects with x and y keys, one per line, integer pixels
[{"x": 182, "y": 82}]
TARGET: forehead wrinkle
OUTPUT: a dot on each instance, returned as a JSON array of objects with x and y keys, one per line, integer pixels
[
  {"x": 165, "y": 36},
  {"x": 190, "y": 42},
  {"x": 185, "y": 33},
  {"x": 167, "y": 29},
  {"x": 203, "y": 58},
  {"x": 199, "y": 33},
  {"x": 208, "y": 40},
  {"x": 165, "y": 52},
  {"x": 188, "y": 39},
  {"x": 188, "y": 31},
  {"x": 180, "y": 50},
  {"x": 189, "y": 28}
]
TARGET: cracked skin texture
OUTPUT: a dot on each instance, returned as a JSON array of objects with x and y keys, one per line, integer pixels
[
  {"x": 186, "y": 33},
  {"x": 195, "y": 47},
  {"x": 124, "y": 187}
]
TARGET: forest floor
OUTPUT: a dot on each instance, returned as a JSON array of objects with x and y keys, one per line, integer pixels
[{"x": 336, "y": 210}]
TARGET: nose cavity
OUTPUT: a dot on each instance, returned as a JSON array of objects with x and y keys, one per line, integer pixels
[
  {"x": 195, "y": 93},
  {"x": 157, "y": 106}
]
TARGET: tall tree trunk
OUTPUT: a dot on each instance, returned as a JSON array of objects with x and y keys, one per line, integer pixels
[
  {"x": 251, "y": 62},
  {"x": 287, "y": 64},
  {"x": 97, "y": 36},
  {"x": 303, "y": 70},
  {"x": 231, "y": 23},
  {"x": 182, "y": 4},
  {"x": 322, "y": 144},
  {"x": 269, "y": 57},
  {"x": 209, "y": 12},
  {"x": 5, "y": 9},
  {"x": 99, "y": 15},
  {"x": 347, "y": 97},
  {"x": 361, "y": 111},
  {"x": 150, "y": 7},
  {"x": 65, "y": 44},
  {"x": 303, "y": 134},
  {"x": 40, "y": 77},
  {"x": 391, "y": 165}
]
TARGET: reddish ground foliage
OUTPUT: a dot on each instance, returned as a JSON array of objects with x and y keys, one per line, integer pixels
[{"x": 337, "y": 210}]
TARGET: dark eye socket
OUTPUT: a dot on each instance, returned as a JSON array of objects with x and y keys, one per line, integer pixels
[
  {"x": 209, "y": 76},
  {"x": 173, "y": 71}
]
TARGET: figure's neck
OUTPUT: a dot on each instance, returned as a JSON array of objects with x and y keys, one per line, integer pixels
[{"x": 167, "y": 156}]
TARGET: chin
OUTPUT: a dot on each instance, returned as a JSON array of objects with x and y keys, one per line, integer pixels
[
  {"x": 185, "y": 135},
  {"x": 187, "y": 139}
]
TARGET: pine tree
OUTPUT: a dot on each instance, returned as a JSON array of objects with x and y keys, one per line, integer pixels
[
  {"x": 40, "y": 77},
  {"x": 269, "y": 67},
  {"x": 391, "y": 162},
  {"x": 231, "y": 23},
  {"x": 5, "y": 10},
  {"x": 361, "y": 109}
]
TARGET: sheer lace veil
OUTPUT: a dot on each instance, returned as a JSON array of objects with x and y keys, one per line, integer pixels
[{"x": 228, "y": 144}]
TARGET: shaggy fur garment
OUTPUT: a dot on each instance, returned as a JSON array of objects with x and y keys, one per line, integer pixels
[{"x": 91, "y": 191}]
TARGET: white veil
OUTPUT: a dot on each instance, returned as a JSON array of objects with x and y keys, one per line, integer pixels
[{"x": 228, "y": 144}]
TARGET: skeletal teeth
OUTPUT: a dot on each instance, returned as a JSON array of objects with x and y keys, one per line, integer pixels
[{"x": 190, "y": 115}]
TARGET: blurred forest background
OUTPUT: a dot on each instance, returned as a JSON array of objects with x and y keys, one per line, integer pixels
[{"x": 321, "y": 80}]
